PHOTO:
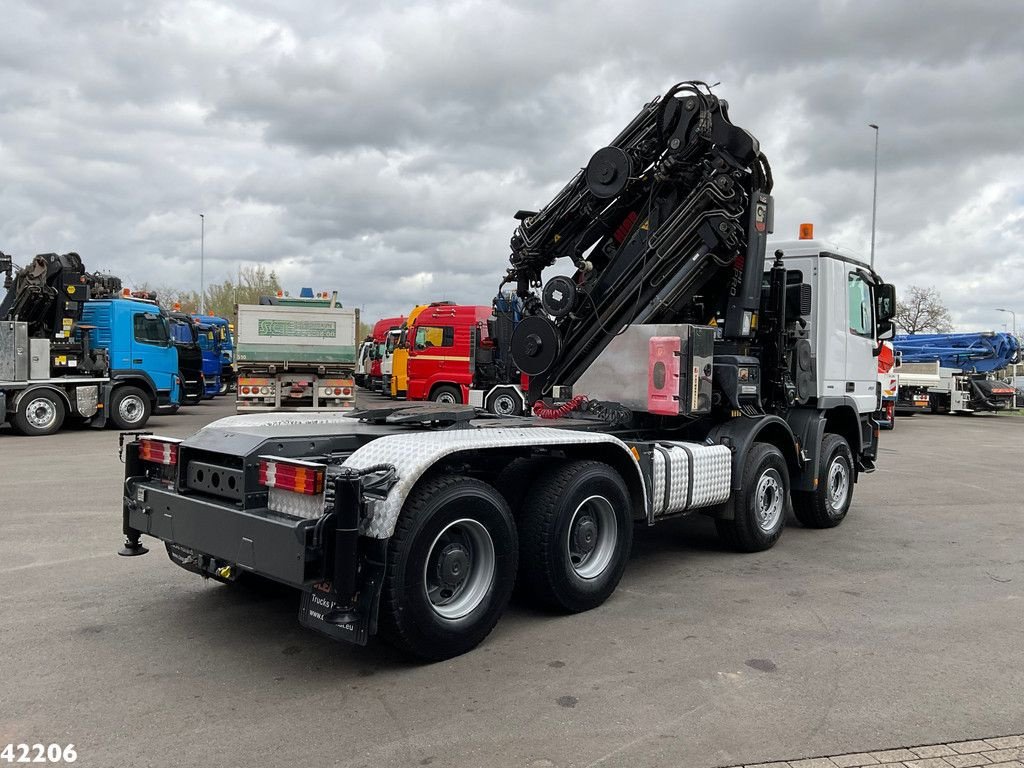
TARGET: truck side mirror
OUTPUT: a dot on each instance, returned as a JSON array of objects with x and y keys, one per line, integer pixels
[
  {"x": 885, "y": 302},
  {"x": 886, "y": 330}
]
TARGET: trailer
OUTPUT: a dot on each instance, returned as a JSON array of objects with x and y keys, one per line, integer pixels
[
  {"x": 678, "y": 370},
  {"x": 296, "y": 357}
]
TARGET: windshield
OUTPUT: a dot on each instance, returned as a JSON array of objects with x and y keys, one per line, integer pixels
[{"x": 206, "y": 337}]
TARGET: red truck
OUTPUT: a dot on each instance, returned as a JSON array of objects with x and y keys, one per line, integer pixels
[
  {"x": 381, "y": 328},
  {"x": 442, "y": 349}
]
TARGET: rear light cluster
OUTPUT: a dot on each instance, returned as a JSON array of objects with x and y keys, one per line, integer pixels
[
  {"x": 336, "y": 391},
  {"x": 159, "y": 450},
  {"x": 294, "y": 487},
  {"x": 256, "y": 387},
  {"x": 292, "y": 475},
  {"x": 334, "y": 388}
]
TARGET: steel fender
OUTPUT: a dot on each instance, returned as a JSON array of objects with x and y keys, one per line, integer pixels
[
  {"x": 47, "y": 387},
  {"x": 415, "y": 453},
  {"x": 740, "y": 434}
]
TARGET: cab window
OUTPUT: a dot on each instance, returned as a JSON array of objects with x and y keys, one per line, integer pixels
[
  {"x": 150, "y": 329},
  {"x": 858, "y": 294},
  {"x": 428, "y": 336}
]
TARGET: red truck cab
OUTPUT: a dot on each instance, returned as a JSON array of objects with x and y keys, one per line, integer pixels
[
  {"x": 442, "y": 345},
  {"x": 380, "y": 335}
]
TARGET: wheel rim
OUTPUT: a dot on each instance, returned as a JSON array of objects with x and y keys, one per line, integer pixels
[
  {"x": 592, "y": 537},
  {"x": 41, "y": 413},
  {"x": 838, "y": 483},
  {"x": 460, "y": 569},
  {"x": 131, "y": 408},
  {"x": 446, "y": 397},
  {"x": 770, "y": 501},
  {"x": 504, "y": 405}
]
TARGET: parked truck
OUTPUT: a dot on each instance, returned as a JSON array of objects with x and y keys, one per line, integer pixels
[
  {"x": 889, "y": 384},
  {"x": 208, "y": 337},
  {"x": 960, "y": 369},
  {"x": 679, "y": 369},
  {"x": 442, "y": 346},
  {"x": 381, "y": 329},
  {"x": 400, "y": 364},
  {"x": 297, "y": 354},
  {"x": 363, "y": 360},
  {"x": 226, "y": 346},
  {"x": 73, "y": 346}
]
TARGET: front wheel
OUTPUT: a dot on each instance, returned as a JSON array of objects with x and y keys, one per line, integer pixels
[
  {"x": 505, "y": 402},
  {"x": 576, "y": 530},
  {"x": 447, "y": 394},
  {"x": 129, "y": 408},
  {"x": 451, "y": 566},
  {"x": 759, "y": 506},
  {"x": 827, "y": 505},
  {"x": 223, "y": 388}
]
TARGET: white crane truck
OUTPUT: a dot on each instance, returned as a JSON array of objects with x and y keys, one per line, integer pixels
[{"x": 676, "y": 371}]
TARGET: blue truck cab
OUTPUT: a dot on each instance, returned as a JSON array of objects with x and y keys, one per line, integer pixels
[
  {"x": 209, "y": 343},
  {"x": 143, "y": 360},
  {"x": 227, "y": 348}
]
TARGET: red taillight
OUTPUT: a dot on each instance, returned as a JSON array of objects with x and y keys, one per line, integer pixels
[
  {"x": 295, "y": 476},
  {"x": 347, "y": 391},
  {"x": 158, "y": 451},
  {"x": 245, "y": 390}
]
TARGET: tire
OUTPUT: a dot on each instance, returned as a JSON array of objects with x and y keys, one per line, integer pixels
[
  {"x": 759, "y": 507},
  {"x": 515, "y": 481},
  {"x": 826, "y": 506},
  {"x": 576, "y": 531},
  {"x": 447, "y": 394},
  {"x": 192, "y": 400},
  {"x": 505, "y": 403},
  {"x": 39, "y": 413},
  {"x": 223, "y": 388},
  {"x": 129, "y": 408},
  {"x": 462, "y": 524}
]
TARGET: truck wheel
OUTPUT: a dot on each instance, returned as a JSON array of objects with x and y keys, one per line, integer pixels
[
  {"x": 129, "y": 408},
  {"x": 451, "y": 566},
  {"x": 759, "y": 507},
  {"x": 223, "y": 388},
  {"x": 39, "y": 413},
  {"x": 447, "y": 394},
  {"x": 827, "y": 506},
  {"x": 505, "y": 403},
  {"x": 576, "y": 531}
]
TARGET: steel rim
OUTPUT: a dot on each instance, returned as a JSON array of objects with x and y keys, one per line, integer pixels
[
  {"x": 592, "y": 537},
  {"x": 131, "y": 408},
  {"x": 770, "y": 501},
  {"x": 838, "y": 483},
  {"x": 504, "y": 405},
  {"x": 41, "y": 413},
  {"x": 460, "y": 569},
  {"x": 446, "y": 397}
]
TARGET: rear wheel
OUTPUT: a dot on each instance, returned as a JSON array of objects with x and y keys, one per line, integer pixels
[
  {"x": 576, "y": 530},
  {"x": 446, "y": 394},
  {"x": 505, "y": 402},
  {"x": 827, "y": 505},
  {"x": 39, "y": 413},
  {"x": 451, "y": 567},
  {"x": 223, "y": 387},
  {"x": 759, "y": 506},
  {"x": 129, "y": 408}
]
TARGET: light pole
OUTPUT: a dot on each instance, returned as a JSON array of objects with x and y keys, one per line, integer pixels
[
  {"x": 202, "y": 272},
  {"x": 874, "y": 197},
  {"x": 1014, "y": 318}
]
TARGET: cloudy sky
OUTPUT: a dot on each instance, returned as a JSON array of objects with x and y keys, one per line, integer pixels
[{"x": 382, "y": 148}]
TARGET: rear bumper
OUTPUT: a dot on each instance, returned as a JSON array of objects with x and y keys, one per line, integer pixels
[{"x": 258, "y": 541}]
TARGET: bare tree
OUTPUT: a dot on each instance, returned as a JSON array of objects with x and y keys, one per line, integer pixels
[{"x": 920, "y": 310}]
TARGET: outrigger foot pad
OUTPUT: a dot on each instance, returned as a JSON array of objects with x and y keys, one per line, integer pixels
[{"x": 132, "y": 548}]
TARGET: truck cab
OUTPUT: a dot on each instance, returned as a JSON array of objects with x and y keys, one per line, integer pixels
[
  {"x": 190, "y": 357},
  {"x": 400, "y": 363},
  {"x": 363, "y": 359},
  {"x": 209, "y": 343},
  {"x": 375, "y": 379},
  {"x": 226, "y": 341},
  {"x": 387, "y": 362},
  {"x": 442, "y": 344},
  {"x": 144, "y": 371}
]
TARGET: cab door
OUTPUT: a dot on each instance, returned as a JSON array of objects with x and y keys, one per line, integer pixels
[
  {"x": 153, "y": 352},
  {"x": 861, "y": 380}
]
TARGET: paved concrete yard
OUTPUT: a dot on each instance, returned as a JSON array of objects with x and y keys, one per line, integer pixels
[{"x": 903, "y": 626}]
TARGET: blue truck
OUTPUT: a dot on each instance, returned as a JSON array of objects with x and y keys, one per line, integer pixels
[
  {"x": 226, "y": 341},
  {"x": 209, "y": 342},
  {"x": 71, "y": 348}
]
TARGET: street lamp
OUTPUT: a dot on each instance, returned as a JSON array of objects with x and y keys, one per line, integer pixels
[
  {"x": 202, "y": 272},
  {"x": 874, "y": 198},
  {"x": 1014, "y": 317}
]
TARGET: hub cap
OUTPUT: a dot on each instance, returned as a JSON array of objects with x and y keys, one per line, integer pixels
[
  {"x": 592, "y": 537},
  {"x": 460, "y": 569},
  {"x": 838, "y": 484},
  {"x": 446, "y": 397},
  {"x": 131, "y": 408},
  {"x": 769, "y": 500},
  {"x": 41, "y": 413}
]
